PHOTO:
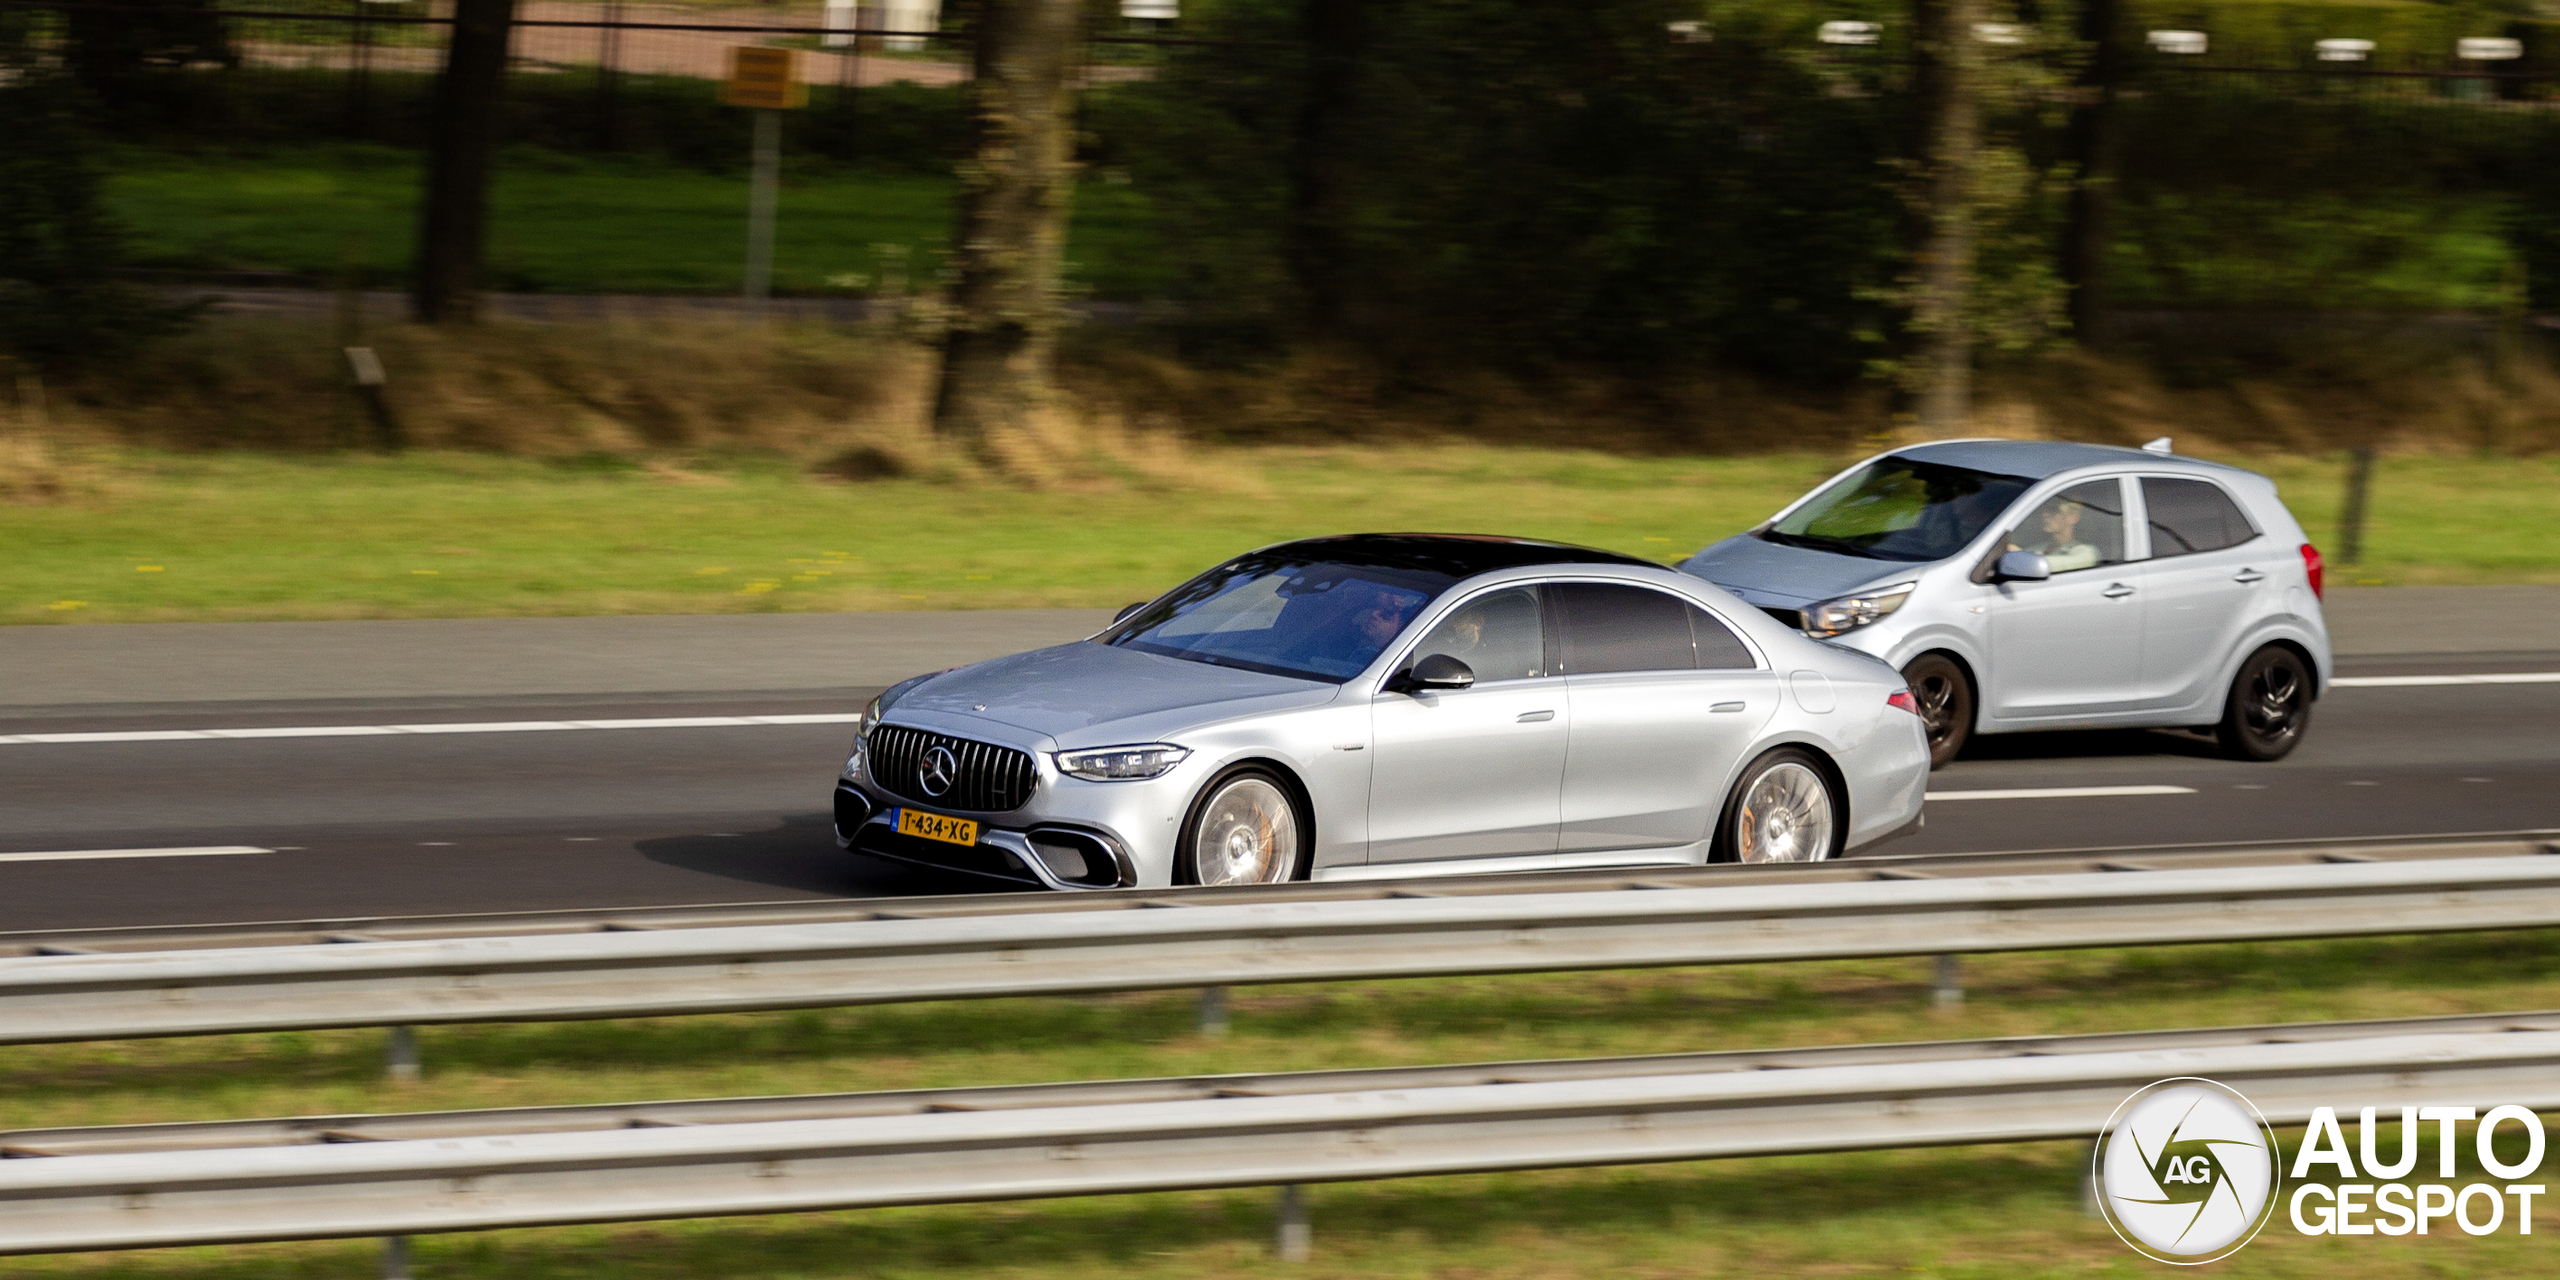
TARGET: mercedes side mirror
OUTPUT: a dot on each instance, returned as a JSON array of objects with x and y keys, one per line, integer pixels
[
  {"x": 1125, "y": 611},
  {"x": 2022, "y": 566},
  {"x": 1438, "y": 672}
]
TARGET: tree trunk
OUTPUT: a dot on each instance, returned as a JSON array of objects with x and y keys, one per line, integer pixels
[
  {"x": 2090, "y": 145},
  {"x": 466, "y": 129},
  {"x": 1948, "y": 84},
  {"x": 1001, "y": 344},
  {"x": 1319, "y": 215}
]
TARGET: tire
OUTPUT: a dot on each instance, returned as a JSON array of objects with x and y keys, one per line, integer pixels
[
  {"x": 1945, "y": 694},
  {"x": 1247, "y": 828},
  {"x": 2269, "y": 706},
  {"x": 1783, "y": 809}
]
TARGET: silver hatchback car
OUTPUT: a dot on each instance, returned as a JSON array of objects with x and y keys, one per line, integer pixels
[
  {"x": 2042, "y": 585},
  {"x": 1392, "y": 705}
]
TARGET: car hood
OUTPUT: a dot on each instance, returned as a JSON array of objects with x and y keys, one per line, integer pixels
[
  {"x": 1059, "y": 691},
  {"x": 1769, "y": 573}
]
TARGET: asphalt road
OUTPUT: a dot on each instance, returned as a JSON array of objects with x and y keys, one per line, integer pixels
[{"x": 418, "y": 823}]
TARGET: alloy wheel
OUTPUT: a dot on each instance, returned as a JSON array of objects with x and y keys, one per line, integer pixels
[
  {"x": 1785, "y": 816},
  {"x": 1247, "y": 834},
  {"x": 2269, "y": 707},
  {"x": 1945, "y": 701}
]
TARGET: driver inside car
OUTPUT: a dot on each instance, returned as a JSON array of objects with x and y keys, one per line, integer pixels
[
  {"x": 1497, "y": 637},
  {"x": 2056, "y": 537}
]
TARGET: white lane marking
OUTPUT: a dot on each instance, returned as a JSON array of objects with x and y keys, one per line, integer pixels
[
  {"x": 378, "y": 730},
  {"x": 84, "y": 855},
  {"x": 2412, "y": 682},
  {"x": 738, "y": 722},
  {"x": 2061, "y": 793}
]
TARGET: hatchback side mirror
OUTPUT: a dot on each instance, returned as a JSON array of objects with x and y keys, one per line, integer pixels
[
  {"x": 1125, "y": 611},
  {"x": 2022, "y": 566},
  {"x": 1436, "y": 672}
]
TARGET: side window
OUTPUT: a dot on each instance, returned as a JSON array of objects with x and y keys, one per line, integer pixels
[
  {"x": 1498, "y": 636},
  {"x": 1718, "y": 648},
  {"x": 2081, "y": 527},
  {"x": 2188, "y": 516},
  {"x": 1617, "y": 628}
]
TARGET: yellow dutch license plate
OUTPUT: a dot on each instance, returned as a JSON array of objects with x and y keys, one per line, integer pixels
[{"x": 933, "y": 826}]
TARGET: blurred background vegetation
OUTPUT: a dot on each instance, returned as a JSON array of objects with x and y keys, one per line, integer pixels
[{"x": 1654, "y": 224}]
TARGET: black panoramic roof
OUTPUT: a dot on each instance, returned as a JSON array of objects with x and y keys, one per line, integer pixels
[{"x": 1459, "y": 555}]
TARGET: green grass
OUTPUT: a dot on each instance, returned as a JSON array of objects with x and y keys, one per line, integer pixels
[
  {"x": 561, "y": 224},
  {"x": 1999, "y": 1211},
  {"x": 240, "y": 536}
]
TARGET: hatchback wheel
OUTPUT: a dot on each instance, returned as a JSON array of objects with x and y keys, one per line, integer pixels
[
  {"x": 2269, "y": 706},
  {"x": 1245, "y": 831},
  {"x": 1781, "y": 811},
  {"x": 1946, "y": 704}
]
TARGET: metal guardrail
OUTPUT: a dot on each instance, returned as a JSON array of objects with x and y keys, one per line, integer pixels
[
  {"x": 1218, "y": 942},
  {"x": 398, "y": 1175}
]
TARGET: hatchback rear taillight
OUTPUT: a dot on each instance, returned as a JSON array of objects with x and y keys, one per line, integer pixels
[
  {"x": 2312, "y": 565},
  {"x": 1902, "y": 698}
]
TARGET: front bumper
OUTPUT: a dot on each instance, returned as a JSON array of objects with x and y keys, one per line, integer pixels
[{"x": 1042, "y": 855}]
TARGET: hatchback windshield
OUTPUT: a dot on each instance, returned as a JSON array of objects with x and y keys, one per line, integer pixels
[
  {"x": 1314, "y": 619},
  {"x": 1899, "y": 509}
]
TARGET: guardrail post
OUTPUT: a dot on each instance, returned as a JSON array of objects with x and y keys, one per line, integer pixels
[
  {"x": 1295, "y": 1235},
  {"x": 400, "y": 1057},
  {"x": 395, "y": 1254},
  {"x": 1946, "y": 988},
  {"x": 1213, "y": 1011}
]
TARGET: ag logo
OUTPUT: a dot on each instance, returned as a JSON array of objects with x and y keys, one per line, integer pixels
[{"x": 2186, "y": 1171}]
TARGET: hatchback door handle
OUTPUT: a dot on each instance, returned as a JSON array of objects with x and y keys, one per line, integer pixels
[
  {"x": 2248, "y": 576},
  {"x": 2116, "y": 591},
  {"x": 1533, "y": 717},
  {"x": 1723, "y": 707}
]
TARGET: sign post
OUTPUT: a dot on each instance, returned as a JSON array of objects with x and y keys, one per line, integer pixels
[{"x": 767, "y": 81}]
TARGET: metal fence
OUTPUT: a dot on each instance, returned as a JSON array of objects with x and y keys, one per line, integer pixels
[
  {"x": 1298, "y": 937},
  {"x": 358, "y": 69},
  {"x": 361, "y": 63}
]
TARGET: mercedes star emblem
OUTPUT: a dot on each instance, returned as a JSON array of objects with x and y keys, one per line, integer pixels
[{"x": 937, "y": 771}]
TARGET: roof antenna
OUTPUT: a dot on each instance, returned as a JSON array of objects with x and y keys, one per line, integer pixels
[{"x": 2160, "y": 445}]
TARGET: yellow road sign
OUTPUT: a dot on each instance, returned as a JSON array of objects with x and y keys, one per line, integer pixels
[{"x": 763, "y": 76}]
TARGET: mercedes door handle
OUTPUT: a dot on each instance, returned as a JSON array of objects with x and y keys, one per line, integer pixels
[
  {"x": 2247, "y": 576},
  {"x": 2116, "y": 591},
  {"x": 1722, "y": 707},
  {"x": 1533, "y": 717}
]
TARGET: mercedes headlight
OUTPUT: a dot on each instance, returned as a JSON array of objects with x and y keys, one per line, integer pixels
[
  {"x": 861, "y": 739},
  {"x": 1122, "y": 764},
  {"x": 1848, "y": 613}
]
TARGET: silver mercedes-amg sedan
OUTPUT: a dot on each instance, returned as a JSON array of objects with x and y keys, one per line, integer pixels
[{"x": 1382, "y": 705}]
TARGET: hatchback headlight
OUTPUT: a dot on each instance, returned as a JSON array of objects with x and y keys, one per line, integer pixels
[
  {"x": 1122, "y": 764},
  {"x": 1848, "y": 613}
]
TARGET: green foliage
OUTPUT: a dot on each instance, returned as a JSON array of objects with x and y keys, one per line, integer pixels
[
  {"x": 1535, "y": 185},
  {"x": 2274, "y": 192},
  {"x": 61, "y": 304},
  {"x": 2281, "y": 32},
  {"x": 1535, "y": 182}
]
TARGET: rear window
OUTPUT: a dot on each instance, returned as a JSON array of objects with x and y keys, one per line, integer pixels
[
  {"x": 2188, "y": 516},
  {"x": 1621, "y": 628}
]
